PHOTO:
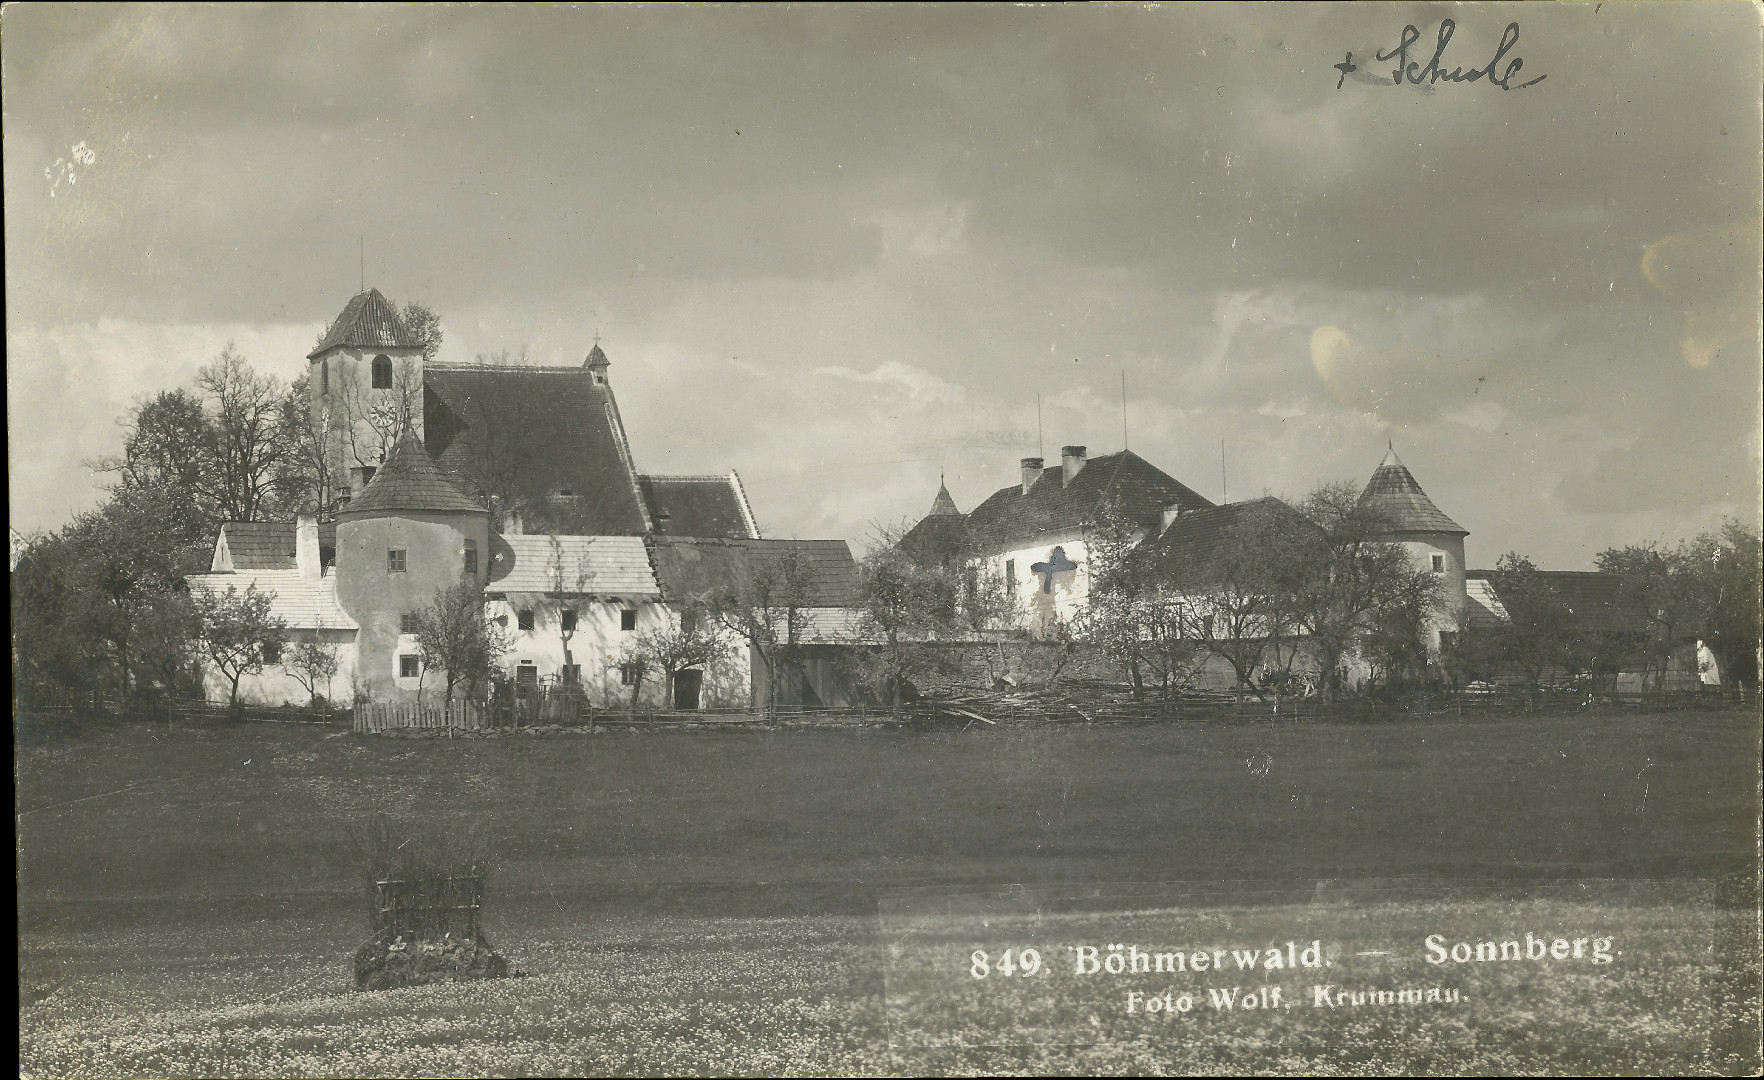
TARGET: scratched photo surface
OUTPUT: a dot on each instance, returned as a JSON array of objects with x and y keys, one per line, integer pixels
[{"x": 1498, "y": 263}]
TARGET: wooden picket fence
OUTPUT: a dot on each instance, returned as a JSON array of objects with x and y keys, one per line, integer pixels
[{"x": 454, "y": 715}]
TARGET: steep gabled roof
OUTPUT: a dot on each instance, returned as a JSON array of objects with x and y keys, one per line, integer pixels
[
  {"x": 692, "y": 569},
  {"x": 582, "y": 565},
  {"x": 696, "y": 505},
  {"x": 1009, "y": 518},
  {"x": 551, "y": 428},
  {"x": 266, "y": 545},
  {"x": 409, "y": 481},
  {"x": 1198, "y": 546},
  {"x": 1395, "y": 494},
  {"x": 369, "y": 321}
]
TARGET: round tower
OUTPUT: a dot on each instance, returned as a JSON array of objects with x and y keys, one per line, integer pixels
[
  {"x": 410, "y": 533},
  {"x": 365, "y": 382},
  {"x": 1432, "y": 539}
]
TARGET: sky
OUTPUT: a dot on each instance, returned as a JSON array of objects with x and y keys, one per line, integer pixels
[{"x": 845, "y": 250}]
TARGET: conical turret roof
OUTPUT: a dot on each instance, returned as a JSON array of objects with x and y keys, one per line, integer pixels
[
  {"x": 1395, "y": 494},
  {"x": 409, "y": 481},
  {"x": 944, "y": 505},
  {"x": 369, "y": 321}
]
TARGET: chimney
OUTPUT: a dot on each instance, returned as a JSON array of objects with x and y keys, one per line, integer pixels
[
  {"x": 1031, "y": 472},
  {"x": 1071, "y": 460},
  {"x": 1168, "y": 518},
  {"x": 306, "y": 547}
]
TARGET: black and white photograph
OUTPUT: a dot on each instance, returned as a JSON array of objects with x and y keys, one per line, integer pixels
[{"x": 773, "y": 540}]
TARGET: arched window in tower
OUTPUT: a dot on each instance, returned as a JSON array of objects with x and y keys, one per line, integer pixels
[{"x": 382, "y": 372}]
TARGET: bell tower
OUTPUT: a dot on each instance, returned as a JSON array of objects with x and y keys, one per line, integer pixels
[{"x": 366, "y": 385}]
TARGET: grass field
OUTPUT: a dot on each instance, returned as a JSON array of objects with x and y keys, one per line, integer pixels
[{"x": 698, "y": 902}]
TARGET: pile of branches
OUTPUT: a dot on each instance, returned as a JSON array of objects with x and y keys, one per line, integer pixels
[
  {"x": 386, "y": 965},
  {"x": 1084, "y": 701}
]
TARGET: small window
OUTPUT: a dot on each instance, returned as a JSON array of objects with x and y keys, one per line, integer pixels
[
  {"x": 382, "y": 372},
  {"x": 628, "y": 674},
  {"x": 272, "y": 652},
  {"x": 395, "y": 560},
  {"x": 572, "y": 674},
  {"x": 325, "y": 376},
  {"x": 567, "y": 619},
  {"x": 524, "y": 619},
  {"x": 407, "y": 666},
  {"x": 527, "y": 673},
  {"x": 628, "y": 619},
  {"x": 1439, "y": 564},
  {"x": 471, "y": 558},
  {"x": 407, "y": 623}
]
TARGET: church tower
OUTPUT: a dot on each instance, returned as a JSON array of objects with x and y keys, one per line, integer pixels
[
  {"x": 1432, "y": 539},
  {"x": 366, "y": 385}
]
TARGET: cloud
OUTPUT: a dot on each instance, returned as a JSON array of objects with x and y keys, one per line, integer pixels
[
  {"x": 920, "y": 385},
  {"x": 1714, "y": 278}
]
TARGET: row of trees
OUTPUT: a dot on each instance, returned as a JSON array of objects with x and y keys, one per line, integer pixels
[{"x": 1666, "y": 600}]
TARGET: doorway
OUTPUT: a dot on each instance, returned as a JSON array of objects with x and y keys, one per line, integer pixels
[{"x": 686, "y": 689}]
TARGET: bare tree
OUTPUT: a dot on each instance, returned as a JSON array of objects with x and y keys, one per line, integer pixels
[
  {"x": 455, "y": 633},
  {"x": 682, "y": 642},
  {"x": 248, "y": 464},
  {"x": 766, "y": 606},
  {"x": 313, "y": 661}
]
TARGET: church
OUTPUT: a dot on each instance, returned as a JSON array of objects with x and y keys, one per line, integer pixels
[{"x": 521, "y": 479}]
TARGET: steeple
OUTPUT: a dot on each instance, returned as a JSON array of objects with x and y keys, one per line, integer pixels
[
  {"x": 1394, "y": 492},
  {"x": 368, "y": 321},
  {"x": 943, "y": 505}
]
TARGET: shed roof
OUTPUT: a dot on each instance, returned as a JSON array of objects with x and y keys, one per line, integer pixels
[
  {"x": 1009, "y": 518},
  {"x": 583, "y": 565},
  {"x": 368, "y": 321},
  {"x": 1198, "y": 546},
  {"x": 408, "y": 480},
  {"x": 1395, "y": 494},
  {"x": 304, "y": 603},
  {"x": 1596, "y": 600},
  {"x": 691, "y": 569},
  {"x": 697, "y": 505}
]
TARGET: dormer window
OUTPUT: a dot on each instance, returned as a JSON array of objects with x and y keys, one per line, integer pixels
[{"x": 382, "y": 372}]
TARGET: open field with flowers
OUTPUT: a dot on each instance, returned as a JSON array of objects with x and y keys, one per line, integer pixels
[{"x": 700, "y": 902}]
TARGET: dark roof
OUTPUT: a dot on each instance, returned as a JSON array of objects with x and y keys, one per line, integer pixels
[
  {"x": 596, "y": 358},
  {"x": 693, "y": 568},
  {"x": 269, "y": 545},
  {"x": 938, "y": 538},
  {"x": 944, "y": 505},
  {"x": 695, "y": 505},
  {"x": 1394, "y": 492},
  {"x": 1198, "y": 545},
  {"x": 409, "y": 481},
  {"x": 1009, "y": 518},
  {"x": 369, "y": 321},
  {"x": 551, "y": 427},
  {"x": 1596, "y": 600}
]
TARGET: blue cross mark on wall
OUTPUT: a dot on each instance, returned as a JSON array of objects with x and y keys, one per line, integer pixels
[{"x": 1057, "y": 563}]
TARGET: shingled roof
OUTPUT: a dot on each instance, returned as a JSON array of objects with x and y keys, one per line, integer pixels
[
  {"x": 265, "y": 545},
  {"x": 409, "y": 481},
  {"x": 369, "y": 321},
  {"x": 302, "y": 602},
  {"x": 940, "y": 536},
  {"x": 552, "y": 427},
  {"x": 1010, "y": 519},
  {"x": 697, "y": 505},
  {"x": 693, "y": 569},
  {"x": 1395, "y": 494},
  {"x": 1198, "y": 545},
  {"x": 1595, "y": 600},
  {"x": 583, "y": 565}
]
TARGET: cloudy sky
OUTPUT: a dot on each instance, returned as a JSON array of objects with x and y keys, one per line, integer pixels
[{"x": 843, "y": 250}]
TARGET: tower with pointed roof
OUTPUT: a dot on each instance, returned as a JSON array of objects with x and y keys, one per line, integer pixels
[
  {"x": 365, "y": 378},
  {"x": 940, "y": 537},
  {"x": 410, "y": 532},
  {"x": 1432, "y": 539}
]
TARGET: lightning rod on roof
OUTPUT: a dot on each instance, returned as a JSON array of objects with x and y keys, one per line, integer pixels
[{"x": 1123, "y": 408}]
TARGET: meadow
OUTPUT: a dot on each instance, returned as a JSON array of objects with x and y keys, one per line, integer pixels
[{"x": 689, "y": 902}]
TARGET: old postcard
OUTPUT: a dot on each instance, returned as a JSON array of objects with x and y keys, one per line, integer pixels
[{"x": 634, "y": 540}]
